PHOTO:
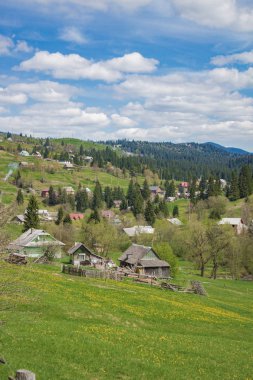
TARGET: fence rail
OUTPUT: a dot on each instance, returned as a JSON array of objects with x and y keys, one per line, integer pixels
[{"x": 92, "y": 273}]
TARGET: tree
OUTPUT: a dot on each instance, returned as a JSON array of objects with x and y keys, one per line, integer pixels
[
  {"x": 52, "y": 197},
  {"x": 145, "y": 190},
  {"x": 97, "y": 196},
  {"x": 165, "y": 253},
  {"x": 130, "y": 193},
  {"x": 138, "y": 202},
  {"x": 67, "y": 220},
  {"x": 94, "y": 216},
  {"x": 108, "y": 197},
  {"x": 60, "y": 216},
  {"x": 81, "y": 150},
  {"x": 193, "y": 189},
  {"x": 31, "y": 214},
  {"x": 245, "y": 181},
  {"x": 233, "y": 191},
  {"x": 82, "y": 200},
  {"x": 202, "y": 189},
  {"x": 219, "y": 239},
  {"x": 149, "y": 213},
  {"x": 198, "y": 246},
  {"x": 175, "y": 211},
  {"x": 20, "y": 197},
  {"x": 170, "y": 189}
]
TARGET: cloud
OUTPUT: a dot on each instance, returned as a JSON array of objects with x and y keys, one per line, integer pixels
[
  {"x": 8, "y": 46},
  {"x": 242, "y": 58},
  {"x": 9, "y": 97},
  {"x": 72, "y": 34},
  {"x": 122, "y": 121},
  {"x": 73, "y": 66},
  {"x": 229, "y": 14}
]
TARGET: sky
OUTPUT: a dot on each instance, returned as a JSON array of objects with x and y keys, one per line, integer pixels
[{"x": 156, "y": 70}]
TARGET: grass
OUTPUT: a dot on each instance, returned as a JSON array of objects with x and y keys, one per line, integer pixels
[{"x": 64, "y": 327}]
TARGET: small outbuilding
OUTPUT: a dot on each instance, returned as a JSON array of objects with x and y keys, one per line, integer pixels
[
  {"x": 82, "y": 255},
  {"x": 144, "y": 260}
]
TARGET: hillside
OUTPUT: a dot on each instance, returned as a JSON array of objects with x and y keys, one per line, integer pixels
[{"x": 64, "y": 327}]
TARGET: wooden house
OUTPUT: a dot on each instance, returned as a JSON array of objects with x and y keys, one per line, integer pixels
[
  {"x": 144, "y": 260},
  {"x": 34, "y": 243},
  {"x": 82, "y": 255}
]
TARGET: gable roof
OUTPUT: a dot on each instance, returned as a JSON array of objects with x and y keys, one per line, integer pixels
[
  {"x": 26, "y": 239},
  {"x": 232, "y": 221},
  {"x": 136, "y": 230},
  {"x": 76, "y": 246},
  {"x": 175, "y": 221},
  {"x": 135, "y": 254}
]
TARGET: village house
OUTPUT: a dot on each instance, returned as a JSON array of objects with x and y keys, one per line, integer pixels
[
  {"x": 35, "y": 242},
  {"x": 156, "y": 190},
  {"x": 76, "y": 216},
  {"x": 69, "y": 190},
  {"x": 68, "y": 166},
  {"x": 117, "y": 203},
  {"x": 82, "y": 255},
  {"x": 88, "y": 159},
  {"x": 24, "y": 153},
  {"x": 45, "y": 193},
  {"x": 183, "y": 188},
  {"x": 175, "y": 221},
  {"x": 37, "y": 154},
  {"x": 108, "y": 214},
  {"x": 137, "y": 230},
  {"x": 144, "y": 260},
  {"x": 237, "y": 224}
]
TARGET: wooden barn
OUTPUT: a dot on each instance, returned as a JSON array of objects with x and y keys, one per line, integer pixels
[
  {"x": 81, "y": 255},
  {"x": 144, "y": 260}
]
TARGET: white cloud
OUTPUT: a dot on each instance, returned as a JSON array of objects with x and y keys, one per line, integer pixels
[
  {"x": 73, "y": 34},
  {"x": 243, "y": 58},
  {"x": 45, "y": 91},
  {"x": 122, "y": 121},
  {"x": 8, "y": 46},
  {"x": 9, "y": 97},
  {"x": 230, "y": 14},
  {"x": 73, "y": 66}
]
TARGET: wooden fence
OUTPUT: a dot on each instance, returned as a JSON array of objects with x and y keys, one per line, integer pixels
[{"x": 74, "y": 271}]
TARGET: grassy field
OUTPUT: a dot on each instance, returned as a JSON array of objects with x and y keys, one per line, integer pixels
[{"x": 66, "y": 328}]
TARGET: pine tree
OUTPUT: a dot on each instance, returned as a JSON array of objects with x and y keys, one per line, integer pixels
[
  {"x": 233, "y": 191},
  {"x": 175, "y": 211},
  {"x": 97, "y": 197},
  {"x": 52, "y": 198},
  {"x": 67, "y": 219},
  {"x": 193, "y": 189},
  {"x": 20, "y": 197},
  {"x": 108, "y": 197},
  {"x": 210, "y": 187},
  {"x": 149, "y": 213},
  {"x": 123, "y": 205},
  {"x": 130, "y": 193},
  {"x": 59, "y": 216},
  {"x": 202, "y": 189},
  {"x": 245, "y": 181},
  {"x": 138, "y": 202},
  {"x": 82, "y": 200},
  {"x": 31, "y": 214},
  {"x": 170, "y": 189},
  {"x": 81, "y": 150},
  {"x": 145, "y": 190},
  {"x": 94, "y": 217}
]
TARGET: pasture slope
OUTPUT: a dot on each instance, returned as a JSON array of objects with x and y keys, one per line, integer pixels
[{"x": 66, "y": 328}]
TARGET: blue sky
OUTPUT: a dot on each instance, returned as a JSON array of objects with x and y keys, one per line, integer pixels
[{"x": 158, "y": 70}]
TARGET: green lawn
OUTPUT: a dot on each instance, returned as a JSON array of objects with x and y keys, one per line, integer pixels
[{"x": 66, "y": 328}]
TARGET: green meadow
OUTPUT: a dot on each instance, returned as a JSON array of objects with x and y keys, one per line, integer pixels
[{"x": 64, "y": 327}]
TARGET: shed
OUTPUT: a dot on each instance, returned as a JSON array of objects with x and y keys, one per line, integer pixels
[
  {"x": 144, "y": 260},
  {"x": 82, "y": 255}
]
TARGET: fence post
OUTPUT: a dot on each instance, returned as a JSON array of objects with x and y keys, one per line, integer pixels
[{"x": 23, "y": 374}]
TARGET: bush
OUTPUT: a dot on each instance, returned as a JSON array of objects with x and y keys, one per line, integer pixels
[{"x": 165, "y": 253}]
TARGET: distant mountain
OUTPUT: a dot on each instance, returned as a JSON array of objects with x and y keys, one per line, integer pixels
[{"x": 229, "y": 149}]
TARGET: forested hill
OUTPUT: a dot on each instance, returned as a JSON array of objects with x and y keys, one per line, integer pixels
[{"x": 186, "y": 160}]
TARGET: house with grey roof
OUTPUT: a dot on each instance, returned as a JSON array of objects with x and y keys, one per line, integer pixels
[
  {"x": 82, "y": 255},
  {"x": 138, "y": 230},
  {"x": 34, "y": 243},
  {"x": 237, "y": 224},
  {"x": 144, "y": 260}
]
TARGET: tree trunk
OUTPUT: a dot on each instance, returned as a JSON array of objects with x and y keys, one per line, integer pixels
[
  {"x": 23, "y": 374},
  {"x": 202, "y": 269}
]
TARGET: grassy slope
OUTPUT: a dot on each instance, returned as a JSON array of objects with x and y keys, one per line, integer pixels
[{"x": 70, "y": 328}]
